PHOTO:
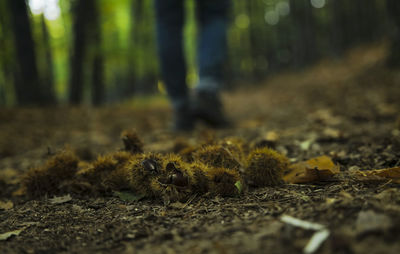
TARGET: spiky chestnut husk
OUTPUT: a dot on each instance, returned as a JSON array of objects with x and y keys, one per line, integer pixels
[
  {"x": 187, "y": 153},
  {"x": 117, "y": 179},
  {"x": 132, "y": 142},
  {"x": 223, "y": 181},
  {"x": 178, "y": 180},
  {"x": 142, "y": 171},
  {"x": 217, "y": 156},
  {"x": 201, "y": 182},
  {"x": 207, "y": 137},
  {"x": 104, "y": 165},
  {"x": 184, "y": 179},
  {"x": 180, "y": 144},
  {"x": 122, "y": 157},
  {"x": 237, "y": 147},
  {"x": 265, "y": 168},
  {"x": 48, "y": 178}
]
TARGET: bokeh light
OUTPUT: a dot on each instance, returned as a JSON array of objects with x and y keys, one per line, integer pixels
[
  {"x": 271, "y": 17},
  {"x": 318, "y": 3},
  {"x": 283, "y": 8},
  {"x": 50, "y": 8},
  {"x": 37, "y": 6},
  {"x": 242, "y": 21}
]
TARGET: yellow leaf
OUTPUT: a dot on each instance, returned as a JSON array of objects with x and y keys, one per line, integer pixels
[{"x": 316, "y": 169}]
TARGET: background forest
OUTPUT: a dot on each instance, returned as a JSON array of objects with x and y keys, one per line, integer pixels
[{"x": 99, "y": 51}]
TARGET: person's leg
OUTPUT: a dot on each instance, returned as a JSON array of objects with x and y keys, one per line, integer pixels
[
  {"x": 213, "y": 22},
  {"x": 169, "y": 25}
]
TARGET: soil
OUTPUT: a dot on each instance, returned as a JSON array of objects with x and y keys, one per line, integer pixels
[{"x": 348, "y": 109}]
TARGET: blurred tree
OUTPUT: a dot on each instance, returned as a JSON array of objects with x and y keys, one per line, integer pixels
[
  {"x": 86, "y": 54},
  {"x": 97, "y": 55},
  {"x": 305, "y": 49},
  {"x": 78, "y": 52},
  {"x": 366, "y": 17},
  {"x": 393, "y": 7},
  {"x": 340, "y": 36},
  {"x": 136, "y": 11},
  {"x": 27, "y": 83},
  {"x": 6, "y": 59},
  {"x": 144, "y": 51},
  {"x": 257, "y": 31},
  {"x": 48, "y": 73}
]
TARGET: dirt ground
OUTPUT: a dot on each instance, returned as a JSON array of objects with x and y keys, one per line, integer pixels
[{"x": 347, "y": 109}]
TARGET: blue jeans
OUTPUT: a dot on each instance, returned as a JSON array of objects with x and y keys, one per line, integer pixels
[{"x": 213, "y": 21}]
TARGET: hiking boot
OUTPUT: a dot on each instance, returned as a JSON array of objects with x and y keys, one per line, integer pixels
[{"x": 208, "y": 108}]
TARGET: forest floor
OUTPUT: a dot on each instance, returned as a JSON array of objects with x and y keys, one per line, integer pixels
[{"x": 346, "y": 109}]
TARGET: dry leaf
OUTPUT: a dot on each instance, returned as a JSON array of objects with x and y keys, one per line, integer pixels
[
  {"x": 325, "y": 116},
  {"x": 332, "y": 133},
  {"x": 272, "y": 136},
  {"x": 315, "y": 169},
  {"x": 305, "y": 145},
  {"x": 9, "y": 176},
  {"x": 60, "y": 200},
  {"x": 378, "y": 174},
  {"x": 19, "y": 192},
  {"x": 7, "y": 235},
  {"x": 7, "y": 205},
  {"x": 391, "y": 173}
]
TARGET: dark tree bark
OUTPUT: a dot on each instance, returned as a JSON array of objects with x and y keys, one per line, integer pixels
[
  {"x": 134, "y": 43},
  {"x": 393, "y": 7},
  {"x": 87, "y": 55},
  {"x": 339, "y": 33},
  {"x": 97, "y": 57},
  {"x": 6, "y": 70},
  {"x": 48, "y": 75},
  {"x": 304, "y": 42},
  {"x": 79, "y": 13},
  {"x": 27, "y": 86}
]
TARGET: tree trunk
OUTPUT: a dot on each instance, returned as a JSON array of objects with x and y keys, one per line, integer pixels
[
  {"x": 339, "y": 38},
  {"x": 257, "y": 46},
  {"x": 304, "y": 44},
  {"x": 48, "y": 75},
  {"x": 136, "y": 16},
  {"x": 79, "y": 13},
  {"x": 86, "y": 49},
  {"x": 27, "y": 86},
  {"x": 97, "y": 56},
  {"x": 393, "y": 7},
  {"x": 6, "y": 50}
]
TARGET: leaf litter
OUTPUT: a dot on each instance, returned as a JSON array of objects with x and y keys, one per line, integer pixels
[{"x": 340, "y": 136}]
